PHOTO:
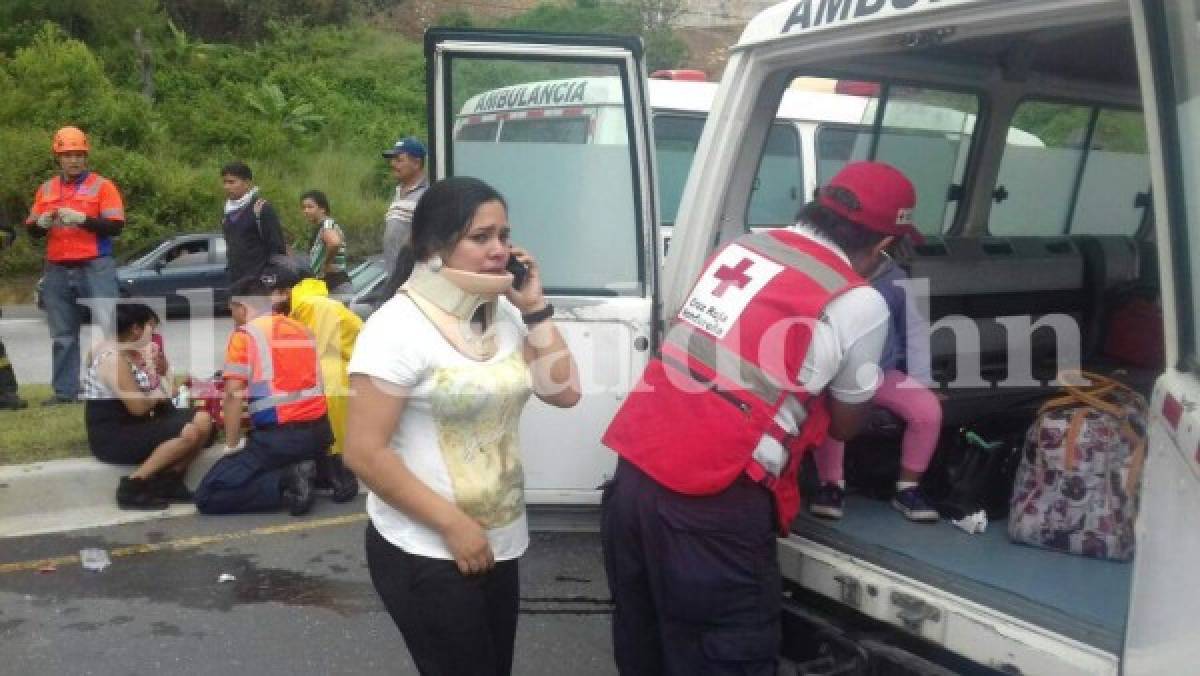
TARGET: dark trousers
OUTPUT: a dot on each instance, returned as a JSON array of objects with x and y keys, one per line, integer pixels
[
  {"x": 695, "y": 580},
  {"x": 8, "y": 379},
  {"x": 453, "y": 624},
  {"x": 248, "y": 481}
]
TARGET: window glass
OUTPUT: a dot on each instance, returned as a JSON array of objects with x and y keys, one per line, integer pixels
[
  {"x": 1116, "y": 172},
  {"x": 572, "y": 202},
  {"x": 187, "y": 255},
  {"x": 545, "y": 130},
  {"x": 675, "y": 140},
  {"x": 482, "y": 131},
  {"x": 925, "y": 133},
  {"x": 1039, "y": 169},
  {"x": 779, "y": 185}
]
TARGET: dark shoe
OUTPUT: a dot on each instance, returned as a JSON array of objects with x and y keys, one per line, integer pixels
[
  {"x": 60, "y": 401},
  {"x": 323, "y": 479},
  {"x": 138, "y": 494},
  {"x": 913, "y": 504},
  {"x": 11, "y": 402},
  {"x": 297, "y": 488},
  {"x": 342, "y": 480},
  {"x": 170, "y": 485},
  {"x": 827, "y": 501}
]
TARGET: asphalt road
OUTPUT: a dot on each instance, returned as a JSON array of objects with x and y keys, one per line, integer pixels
[
  {"x": 195, "y": 346},
  {"x": 302, "y": 601}
]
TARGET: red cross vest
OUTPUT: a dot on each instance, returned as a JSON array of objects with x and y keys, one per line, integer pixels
[{"x": 728, "y": 363}]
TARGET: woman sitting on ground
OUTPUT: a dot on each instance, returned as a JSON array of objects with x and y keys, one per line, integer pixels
[{"x": 129, "y": 416}]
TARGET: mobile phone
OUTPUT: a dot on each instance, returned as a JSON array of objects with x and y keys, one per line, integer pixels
[{"x": 519, "y": 272}]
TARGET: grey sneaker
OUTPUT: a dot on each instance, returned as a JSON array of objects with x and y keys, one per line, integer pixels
[{"x": 913, "y": 504}]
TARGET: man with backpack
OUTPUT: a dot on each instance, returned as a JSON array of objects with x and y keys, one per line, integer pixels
[{"x": 251, "y": 226}]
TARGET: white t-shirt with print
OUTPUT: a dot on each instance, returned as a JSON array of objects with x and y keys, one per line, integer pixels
[{"x": 458, "y": 431}]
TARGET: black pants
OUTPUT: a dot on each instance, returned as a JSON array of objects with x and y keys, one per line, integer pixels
[
  {"x": 695, "y": 580},
  {"x": 453, "y": 624},
  {"x": 249, "y": 480}
]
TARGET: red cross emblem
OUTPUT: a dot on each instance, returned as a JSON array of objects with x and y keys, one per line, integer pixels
[{"x": 735, "y": 276}]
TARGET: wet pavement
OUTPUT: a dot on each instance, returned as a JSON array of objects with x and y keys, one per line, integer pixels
[{"x": 301, "y": 601}]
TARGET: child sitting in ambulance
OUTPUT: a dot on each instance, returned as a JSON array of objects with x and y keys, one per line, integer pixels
[{"x": 904, "y": 391}]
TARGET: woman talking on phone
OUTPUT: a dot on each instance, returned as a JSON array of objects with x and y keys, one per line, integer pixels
[{"x": 440, "y": 374}]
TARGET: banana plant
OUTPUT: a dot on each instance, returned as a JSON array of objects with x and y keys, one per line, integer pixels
[{"x": 294, "y": 116}]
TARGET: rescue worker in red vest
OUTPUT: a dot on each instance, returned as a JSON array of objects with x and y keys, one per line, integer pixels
[
  {"x": 272, "y": 366},
  {"x": 777, "y": 343},
  {"x": 79, "y": 211}
]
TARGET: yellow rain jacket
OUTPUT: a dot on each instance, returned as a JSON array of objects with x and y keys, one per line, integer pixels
[{"x": 335, "y": 328}]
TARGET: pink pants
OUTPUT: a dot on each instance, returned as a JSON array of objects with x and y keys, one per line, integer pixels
[{"x": 915, "y": 404}]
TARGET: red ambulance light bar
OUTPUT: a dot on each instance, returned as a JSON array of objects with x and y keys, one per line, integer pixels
[
  {"x": 687, "y": 75},
  {"x": 857, "y": 88}
]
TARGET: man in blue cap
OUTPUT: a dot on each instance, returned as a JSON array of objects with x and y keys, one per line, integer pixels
[{"x": 407, "y": 158}]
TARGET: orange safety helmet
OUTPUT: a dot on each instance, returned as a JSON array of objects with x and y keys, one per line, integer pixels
[{"x": 70, "y": 139}]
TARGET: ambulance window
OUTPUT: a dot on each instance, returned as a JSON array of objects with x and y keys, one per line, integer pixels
[
  {"x": 545, "y": 130},
  {"x": 571, "y": 200},
  {"x": 1115, "y": 174},
  {"x": 484, "y": 131},
  {"x": 1071, "y": 169},
  {"x": 779, "y": 186},
  {"x": 926, "y": 133},
  {"x": 675, "y": 140},
  {"x": 1039, "y": 169}
]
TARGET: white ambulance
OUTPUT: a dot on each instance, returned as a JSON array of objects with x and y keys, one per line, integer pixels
[
  {"x": 820, "y": 125},
  {"x": 1017, "y": 233}
]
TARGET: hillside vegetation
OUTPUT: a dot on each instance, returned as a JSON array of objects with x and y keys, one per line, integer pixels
[{"x": 308, "y": 92}]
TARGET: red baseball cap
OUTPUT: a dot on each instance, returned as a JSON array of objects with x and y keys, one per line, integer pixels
[{"x": 874, "y": 195}]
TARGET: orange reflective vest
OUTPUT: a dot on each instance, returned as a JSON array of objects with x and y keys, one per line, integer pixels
[
  {"x": 728, "y": 363},
  {"x": 277, "y": 358},
  {"x": 95, "y": 197}
]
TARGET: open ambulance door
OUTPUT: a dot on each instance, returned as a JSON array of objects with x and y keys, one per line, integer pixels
[
  {"x": 522, "y": 112},
  {"x": 1161, "y": 634}
]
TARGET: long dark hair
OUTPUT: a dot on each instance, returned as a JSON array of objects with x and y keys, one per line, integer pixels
[
  {"x": 440, "y": 220},
  {"x": 852, "y": 238},
  {"x": 130, "y": 315}
]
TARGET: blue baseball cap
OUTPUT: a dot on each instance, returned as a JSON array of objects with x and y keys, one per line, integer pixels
[{"x": 409, "y": 146}]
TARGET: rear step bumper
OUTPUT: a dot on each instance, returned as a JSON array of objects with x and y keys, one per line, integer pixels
[{"x": 942, "y": 621}]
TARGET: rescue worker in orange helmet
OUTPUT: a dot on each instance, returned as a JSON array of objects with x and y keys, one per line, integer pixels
[
  {"x": 78, "y": 212},
  {"x": 778, "y": 342},
  {"x": 272, "y": 366}
]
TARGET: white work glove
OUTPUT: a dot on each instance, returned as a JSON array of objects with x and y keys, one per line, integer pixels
[
  {"x": 230, "y": 450},
  {"x": 69, "y": 216},
  {"x": 46, "y": 220}
]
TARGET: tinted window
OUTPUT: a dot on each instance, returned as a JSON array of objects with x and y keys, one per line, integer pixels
[
  {"x": 484, "y": 131},
  {"x": 545, "y": 130},
  {"x": 779, "y": 185},
  {"x": 925, "y": 133}
]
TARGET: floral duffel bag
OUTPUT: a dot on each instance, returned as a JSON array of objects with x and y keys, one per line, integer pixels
[{"x": 1076, "y": 489}]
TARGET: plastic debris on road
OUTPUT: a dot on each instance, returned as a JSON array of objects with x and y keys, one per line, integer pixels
[
  {"x": 94, "y": 560},
  {"x": 226, "y": 577}
]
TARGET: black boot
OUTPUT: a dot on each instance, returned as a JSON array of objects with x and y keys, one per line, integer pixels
[
  {"x": 296, "y": 486},
  {"x": 138, "y": 494},
  {"x": 169, "y": 485},
  {"x": 342, "y": 480}
]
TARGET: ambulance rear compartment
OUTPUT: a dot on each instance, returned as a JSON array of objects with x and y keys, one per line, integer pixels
[{"x": 1024, "y": 236}]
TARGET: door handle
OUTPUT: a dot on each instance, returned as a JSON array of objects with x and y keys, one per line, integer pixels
[{"x": 641, "y": 343}]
